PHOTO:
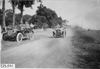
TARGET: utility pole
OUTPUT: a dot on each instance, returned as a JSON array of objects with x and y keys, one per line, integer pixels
[{"x": 3, "y": 8}]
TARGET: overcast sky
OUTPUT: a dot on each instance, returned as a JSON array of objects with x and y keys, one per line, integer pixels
[{"x": 85, "y": 13}]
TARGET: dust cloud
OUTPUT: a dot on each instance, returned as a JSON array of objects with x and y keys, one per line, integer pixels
[{"x": 69, "y": 32}]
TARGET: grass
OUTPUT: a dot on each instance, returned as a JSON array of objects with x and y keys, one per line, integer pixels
[{"x": 87, "y": 45}]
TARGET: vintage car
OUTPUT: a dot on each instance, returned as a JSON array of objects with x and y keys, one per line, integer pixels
[
  {"x": 59, "y": 32},
  {"x": 18, "y": 33}
]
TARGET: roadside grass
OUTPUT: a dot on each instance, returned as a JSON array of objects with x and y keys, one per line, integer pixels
[{"x": 87, "y": 45}]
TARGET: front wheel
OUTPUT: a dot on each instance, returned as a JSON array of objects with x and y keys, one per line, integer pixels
[{"x": 19, "y": 37}]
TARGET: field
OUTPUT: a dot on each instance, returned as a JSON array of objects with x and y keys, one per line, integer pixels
[{"x": 87, "y": 44}]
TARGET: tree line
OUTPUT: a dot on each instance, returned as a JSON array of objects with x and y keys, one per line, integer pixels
[
  {"x": 20, "y": 5},
  {"x": 44, "y": 17},
  {"x": 9, "y": 17}
]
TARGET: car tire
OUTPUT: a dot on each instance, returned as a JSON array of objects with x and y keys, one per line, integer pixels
[
  {"x": 65, "y": 33},
  {"x": 31, "y": 37},
  {"x": 3, "y": 36},
  {"x": 19, "y": 37},
  {"x": 32, "y": 31},
  {"x": 53, "y": 34}
]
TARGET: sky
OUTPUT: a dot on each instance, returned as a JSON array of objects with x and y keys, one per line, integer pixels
[{"x": 84, "y": 13}]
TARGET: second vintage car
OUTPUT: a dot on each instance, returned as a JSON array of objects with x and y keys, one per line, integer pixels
[{"x": 59, "y": 32}]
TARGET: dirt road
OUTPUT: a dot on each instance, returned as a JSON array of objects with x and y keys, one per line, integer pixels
[{"x": 47, "y": 52}]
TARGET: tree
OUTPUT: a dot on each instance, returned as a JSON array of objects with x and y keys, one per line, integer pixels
[
  {"x": 46, "y": 17},
  {"x": 59, "y": 21},
  {"x": 3, "y": 8},
  {"x": 38, "y": 20},
  {"x": 1, "y": 17},
  {"x": 54, "y": 23},
  {"x": 17, "y": 18},
  {"x": 21, "y": 4},
  {"x": 26, "y": 18},
  {"x": 14, "y": 3},
  {"x": 45, "y": 25},
  {"x": 9, "y": 17},
  {"x": 47, "y": 13}
]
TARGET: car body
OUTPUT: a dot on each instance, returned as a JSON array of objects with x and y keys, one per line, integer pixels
[
  {"x": 59, "y": 32},
  {"x": 18, "y": 33}
]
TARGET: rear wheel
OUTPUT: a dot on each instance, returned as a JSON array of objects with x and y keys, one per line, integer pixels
[
  {"x": 19, "y": 37},
  {"x": 31, "y": 35},
  {"x": 63, "y": 34},
  {"x": 53, "y": 34},
  {"x": 3, "y": 36}
]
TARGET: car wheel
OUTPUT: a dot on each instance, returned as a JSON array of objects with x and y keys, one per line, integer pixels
[
  {"x": 53, "y": 34},
  {"x": 31, "y": 37},
  {"x": 3, "y": 37},
  {"x": 32, "y": 31},
  {"x": 19, "y": 37},
  {"x": 65, "y": 33}
]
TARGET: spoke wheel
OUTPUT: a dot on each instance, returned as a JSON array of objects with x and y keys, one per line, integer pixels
[{"x": 19, "y": 37}]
